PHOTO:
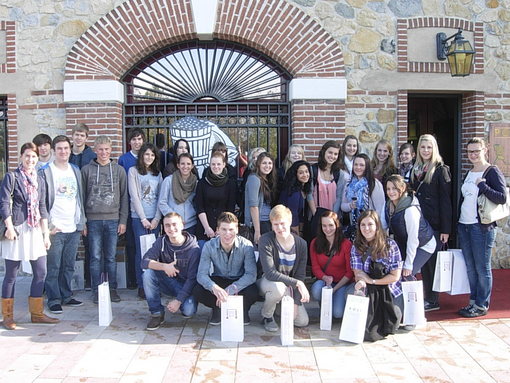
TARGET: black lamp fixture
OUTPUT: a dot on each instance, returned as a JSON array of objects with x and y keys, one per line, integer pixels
[{"x": 459, "y": 53}]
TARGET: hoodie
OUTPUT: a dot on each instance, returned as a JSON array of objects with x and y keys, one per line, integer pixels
[
  {"x": 105, "y": 189},
  {"x": 83, "y": 158},
  {"x": 187, "y": 257}
]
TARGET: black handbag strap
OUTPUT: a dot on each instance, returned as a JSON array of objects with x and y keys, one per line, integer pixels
[{"x": 331, "y": 254}]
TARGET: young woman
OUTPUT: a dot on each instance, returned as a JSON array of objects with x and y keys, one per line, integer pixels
[
  {"x": 406, "y": 156},
  {"x": 283, "y": 256},
  {"x": 477, "y": 239},
  {"x": 363, "y": 192},
  {"x": 431, "y": 181},
  {"x": 23, "y": 210},
  {"x": 377, "y": 266},
  {"x": 297, "y": 187},
  {"x": 326, "y": 174},
  {"x": 180, "y": 146},
  {"x": 330, "y": 255},
  {"x": 259, "y": 196},
  {"x": 222, "y": 148},
  {"x": 413, "y": 234},
  {"x": 295, "y": 153},
  {"x": 178, "y": 191},
  {"x": 216, "y": 193},
  {"x": 144, "y": 182},
  {"x": 350, "y": 148},
  {"x": 383, "y": 164}
]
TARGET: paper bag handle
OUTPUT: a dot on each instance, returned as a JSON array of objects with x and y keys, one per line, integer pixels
[{"x": 234, "y": 287}]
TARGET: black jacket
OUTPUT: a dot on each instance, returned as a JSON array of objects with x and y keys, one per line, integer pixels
[{"x": 435, "y": 199}]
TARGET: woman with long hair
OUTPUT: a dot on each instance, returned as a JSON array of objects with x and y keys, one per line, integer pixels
[
  {"x": 413, "y": 234},
  {"x": 326, "y": 173},
  {"x": 283, "y": 256},
  {"x": 383, "y": 164},
  {"x": 363, "y": 192},
  {"x": 295, "y": 153},
  {"x": 216, "y": 193},
  {"x": 259, "y": 196},
  {"x": 377, "y": 266},
  {"x": 406, "y": 156},
  {"x": 144, "y": 183},
  {"x": 476, "y": 238},
  {"x": 431, "y": 181},
  {"x": 297, "y": 187},
  {"x": 178, "y": 191},
  {"x": 350, "y": 149},
  {"x": 26, "y": 238},
  {"x": 330, "y": 256},
  {"x": 180, "y": 146}
]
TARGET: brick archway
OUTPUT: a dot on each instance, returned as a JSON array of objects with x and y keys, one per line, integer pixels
[{"x": 282, "y": 31}]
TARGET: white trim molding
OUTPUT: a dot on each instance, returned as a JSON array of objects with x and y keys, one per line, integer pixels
[
  {"x": 204, "y": 14},
  {"x": 93, "y": 91},
  {"x": 318, "y": 89}
]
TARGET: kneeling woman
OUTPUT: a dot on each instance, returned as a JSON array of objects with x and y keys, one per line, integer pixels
[
  {"x": 413, "y": 234},
  {"x": 330, "y": 255},
  {"x": 377, "y": 266},
  {"x": 283, "y": 256}
]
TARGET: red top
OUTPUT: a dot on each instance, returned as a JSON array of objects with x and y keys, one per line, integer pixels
[{"x": 339, "y": 266}]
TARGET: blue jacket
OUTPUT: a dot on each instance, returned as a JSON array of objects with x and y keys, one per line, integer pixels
[
  {"x": 186, "y": 256},
  {"x": 19, "y": 212},
  {"x": 83, "y": 158}
]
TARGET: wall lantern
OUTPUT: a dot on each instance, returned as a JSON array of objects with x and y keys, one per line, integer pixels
[{"x": 459, "y": 53}]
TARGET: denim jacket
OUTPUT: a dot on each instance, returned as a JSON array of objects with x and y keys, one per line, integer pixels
[{"x": 240, "y": 265}]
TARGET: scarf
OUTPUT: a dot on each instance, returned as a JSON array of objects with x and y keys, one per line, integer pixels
[
  {"x": 181, "y": 189},
  {"x": 404, "y": 168},
  {"x": 358, "y": 188},
  {"x": 216, "y": 179},
  {"x": 30, "y": 183},
  {"x": 420, "y": 171}
]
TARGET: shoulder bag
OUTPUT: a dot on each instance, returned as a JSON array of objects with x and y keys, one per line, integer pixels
[{"x": 489, "y": 211}]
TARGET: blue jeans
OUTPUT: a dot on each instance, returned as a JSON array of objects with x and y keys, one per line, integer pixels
[
  {"x": 102, "y": 235},
  {"x": 476, "y": 245},
  {"x": 339, "y": 297},
  {"x": 156, "y": 282},
  {"x": 138, "y": 231},
  {"x": 60, "y": 267}
]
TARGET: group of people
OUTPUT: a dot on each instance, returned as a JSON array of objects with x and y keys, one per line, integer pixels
[{"x": 366, "y": 223}]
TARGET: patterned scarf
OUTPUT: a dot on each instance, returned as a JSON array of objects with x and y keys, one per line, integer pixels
[
  {"x": 358, "y": 188},
  {"x": 30, "y": 183},
  {"x": 404, "y": 168},
  {"x": 420, "y": 171}
]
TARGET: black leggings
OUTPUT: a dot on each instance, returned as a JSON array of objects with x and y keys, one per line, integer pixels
[{"x": 11, "y": 271}]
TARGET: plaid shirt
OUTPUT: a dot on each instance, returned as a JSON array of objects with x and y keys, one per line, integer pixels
[{"x": 393, "y": 262}]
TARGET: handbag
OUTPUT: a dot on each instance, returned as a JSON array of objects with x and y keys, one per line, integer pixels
[
  {"x": 414, "y": 310},
  {"x": 460, "y": 280},
  {"x": 443, "y": 272},
  {"x": 450, "y": 275},
  {"x": 104, "y": 301},
  {"x": 3, "y": 228},
  {"x": 287, "y": 320},
  {"x": 326, "y": 308},
  {"x": 489, "y": 211},
  {"x": 354, "y": 320},
  {"x": 232, "y": 318}
]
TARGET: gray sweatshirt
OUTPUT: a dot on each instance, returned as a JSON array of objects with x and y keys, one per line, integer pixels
[{"x": 106, "y": 196}]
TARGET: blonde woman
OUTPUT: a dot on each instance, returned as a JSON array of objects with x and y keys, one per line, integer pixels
[{"x": 431, "y": 180}]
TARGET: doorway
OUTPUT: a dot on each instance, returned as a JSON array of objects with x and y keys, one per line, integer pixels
[{"x": 439, "y": 115}]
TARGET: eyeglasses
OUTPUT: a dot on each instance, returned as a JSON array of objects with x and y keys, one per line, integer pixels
[{"x": 474, "y": 151}]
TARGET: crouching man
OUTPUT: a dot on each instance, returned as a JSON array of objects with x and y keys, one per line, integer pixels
[
  {"x": 171, "y": 268},
  {"x": 227, "y": 264}
]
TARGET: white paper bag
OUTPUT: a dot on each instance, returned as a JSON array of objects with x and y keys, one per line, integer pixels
[
  {"x": 414, "y": 310},
  {"x": 287, "y": 321},
  {"x": 326, "y": 308},
  {"x": 460, "y": 281},
  {"x": 443, "y": 271},
  {"x": 105, "y": 303},
  {"x": 146, "y": 242},
  {"x": 354, "y": 320},
  {"x": 232, "y": 319}
]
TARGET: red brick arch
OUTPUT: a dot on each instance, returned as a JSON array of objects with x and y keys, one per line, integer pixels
[{"x": 134, "y": 29}]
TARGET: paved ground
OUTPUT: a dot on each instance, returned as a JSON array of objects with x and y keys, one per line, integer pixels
[{"x": 78, "y": 350}]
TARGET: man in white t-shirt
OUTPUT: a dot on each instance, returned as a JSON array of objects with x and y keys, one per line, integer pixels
[{"x": 64, "y": 200}]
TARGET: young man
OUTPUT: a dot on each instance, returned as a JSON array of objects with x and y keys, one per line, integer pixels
[
  {"x": 81, "y": 153},
  {"x": 235, "y": 270},
  {"x": 106, "y": 208},
  {"x": 136, "y": 138},
  {"x": 171, "y": 267},
  {"x": 43, "y": 143},
  {"x": 64, "y": 202}
]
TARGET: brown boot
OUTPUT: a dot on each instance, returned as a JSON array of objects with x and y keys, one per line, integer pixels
[
  {"x": 7, "y": 312},
  {"x": 35, "y": 305}
]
